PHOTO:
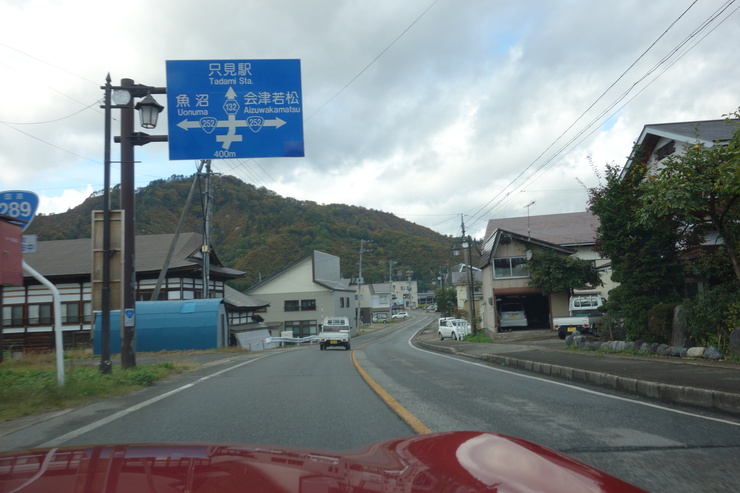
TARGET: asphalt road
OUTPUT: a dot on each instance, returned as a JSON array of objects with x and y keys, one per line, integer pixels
[
  {"x": 657, "y": 448},
  {"x": 310, "y": 398}
]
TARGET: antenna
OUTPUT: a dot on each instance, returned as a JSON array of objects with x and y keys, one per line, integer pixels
[{"x": 529, "y": 235}]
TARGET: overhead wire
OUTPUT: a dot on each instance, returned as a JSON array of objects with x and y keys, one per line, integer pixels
[
  {"x": 586, "y": 110},
  {"x": 478, "y": 215},
  {"x": 96, "y": 103},
  {"x": 346, "y": 85},
  {"x": 506, "y": 192},
  {"x": 373, "y": 60}
]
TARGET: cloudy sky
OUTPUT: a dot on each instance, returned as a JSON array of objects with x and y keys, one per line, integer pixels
[{"x": 432, "y": 110}]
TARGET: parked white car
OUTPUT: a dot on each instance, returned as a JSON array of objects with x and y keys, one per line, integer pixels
[{"x": 453, "y": 328}]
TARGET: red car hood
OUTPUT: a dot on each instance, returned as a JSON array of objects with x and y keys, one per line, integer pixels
[{"x": 454, "y": 461}]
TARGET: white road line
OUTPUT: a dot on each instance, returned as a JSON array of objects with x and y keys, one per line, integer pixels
[
  {"x": 109, "y": 419},
  {"x": 533, "y": 377}
]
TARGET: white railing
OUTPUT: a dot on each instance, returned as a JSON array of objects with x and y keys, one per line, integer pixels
[{"x": 292, "y": 340}]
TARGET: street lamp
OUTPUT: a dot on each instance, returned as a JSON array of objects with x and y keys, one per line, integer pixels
[
  {"x": 149, "y": 110},
  {"x": 121, "y": 97}
]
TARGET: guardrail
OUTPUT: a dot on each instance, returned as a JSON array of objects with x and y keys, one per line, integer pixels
[{"x": 292, "y": 340}]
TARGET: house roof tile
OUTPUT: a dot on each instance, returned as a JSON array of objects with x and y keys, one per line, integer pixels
[
  {"x": 71, "y": 258},
  {"x": 567, "y": 229}
]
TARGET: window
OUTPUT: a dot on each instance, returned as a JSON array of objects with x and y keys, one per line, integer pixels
[
  {"x": 291, "y": 306},
  {"x": 87, "y": 312},
  {"x": 302, "y": 328},
  {"x": 665, "y": 150},
  {"x": 308, "y": 305},
  {"x": 13, "y": 315},
  {"x": 39, "y": 314},
  {"x": 510, "y": 267},
  {"x": 341, "y": 302},
  {"x": 586, "y": 301},
  {"x": 71, "y": 312},
  {"x": 147, "y": 295}
]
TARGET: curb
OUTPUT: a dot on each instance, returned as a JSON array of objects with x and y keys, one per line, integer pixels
[{"x": 675, "y": 394}]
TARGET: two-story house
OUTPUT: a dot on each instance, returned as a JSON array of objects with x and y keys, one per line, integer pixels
[
  {"x": 304, "y": 293},
  {"x": 405, "y": 294},
  {"x": 657, "y": 142},
  {"x": 459, "y": 278},
  {"x": 510, "y": 242},
  {"x": 376, "y": 302}
]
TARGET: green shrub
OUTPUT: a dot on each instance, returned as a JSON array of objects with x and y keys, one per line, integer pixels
[
  {"x": 660, "y": 322},
  {"x": 712, "y": 315},
  {"x": 610, "y": 328}
]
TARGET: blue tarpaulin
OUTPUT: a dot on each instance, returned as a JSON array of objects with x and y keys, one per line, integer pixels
[{"x": 171, "y": 326}]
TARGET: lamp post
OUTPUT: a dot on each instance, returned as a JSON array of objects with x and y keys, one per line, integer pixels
[{"x": 123, "y": 97}]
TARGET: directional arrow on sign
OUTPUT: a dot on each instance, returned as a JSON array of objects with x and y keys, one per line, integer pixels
[{"x": 188, "y": 124}]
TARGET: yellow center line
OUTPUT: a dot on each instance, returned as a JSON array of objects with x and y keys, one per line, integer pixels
[{"x": 418, "y": 427}]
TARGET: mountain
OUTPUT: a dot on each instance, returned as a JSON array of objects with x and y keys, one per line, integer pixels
[{"x": 259, "y": 232}]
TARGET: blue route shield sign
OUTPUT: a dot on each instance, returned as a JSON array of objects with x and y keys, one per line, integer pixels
[
  {"x": 20, "y": 205},
  {"x": 231, "y": 109}
]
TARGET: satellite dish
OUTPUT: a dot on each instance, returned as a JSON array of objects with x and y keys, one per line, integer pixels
[{"x": 528, "y": 255}]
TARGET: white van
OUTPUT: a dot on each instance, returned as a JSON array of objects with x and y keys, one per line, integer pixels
[{"x": 454, "y": 328}]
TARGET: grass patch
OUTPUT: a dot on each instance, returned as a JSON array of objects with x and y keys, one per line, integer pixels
[
  {"x": 29, "y": 385},
  {"x": 479, "y": 337}
]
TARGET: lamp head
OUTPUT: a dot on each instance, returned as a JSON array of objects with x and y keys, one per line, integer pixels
[{"x": 149, "y": 110}]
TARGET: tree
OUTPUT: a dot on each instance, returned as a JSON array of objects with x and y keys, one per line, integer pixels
[
  {"x": 552, "y": 272},
  {"x": 699, "y": 190},
  {"x": 644, "y": 259},
  {"x": 446, "y": 299}
]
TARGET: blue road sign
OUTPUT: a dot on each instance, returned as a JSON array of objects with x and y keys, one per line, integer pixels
[
  {"x": 129, "y": 317},
  {"x": 20, "y": 205},
  {"x": 230, "y": 109}
]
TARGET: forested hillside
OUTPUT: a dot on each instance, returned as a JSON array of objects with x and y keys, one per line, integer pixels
[{"x": 259, "y": 232}]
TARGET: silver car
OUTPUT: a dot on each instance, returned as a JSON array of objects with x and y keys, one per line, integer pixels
[{"x": 512, "y": 315}]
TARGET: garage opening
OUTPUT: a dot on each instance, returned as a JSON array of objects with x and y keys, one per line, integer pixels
[{"x": 536, "y": 309}]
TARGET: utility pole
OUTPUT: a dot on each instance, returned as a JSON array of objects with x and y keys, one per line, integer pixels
[
  {"x": 206, "y": 248},
  {"x": 128, "y": 274},
  {"x": 106, "y": 367},
  {"x": 359, "y": 283},
  {"x": 471, "y": 286},
  {"x": 170, "y": 253}
]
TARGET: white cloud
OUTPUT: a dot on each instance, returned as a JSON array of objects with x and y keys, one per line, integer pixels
[
  {"x": 424, "y": 109},
  {"x": 62, "y": 203}
]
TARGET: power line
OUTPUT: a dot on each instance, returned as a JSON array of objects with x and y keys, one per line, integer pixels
[
  {"x": 96, "y": 103},
  {"x": 506, "y": 194},
  {"x": 51, "y": 145},
  {"x": 373, "y": 60},
  {"x": 583, "y": 113}
]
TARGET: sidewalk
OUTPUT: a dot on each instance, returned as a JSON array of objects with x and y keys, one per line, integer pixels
[{"x": 702, "y": 383}]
